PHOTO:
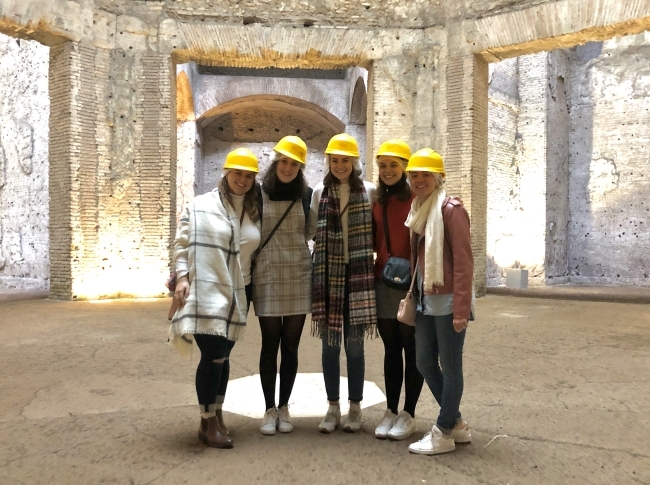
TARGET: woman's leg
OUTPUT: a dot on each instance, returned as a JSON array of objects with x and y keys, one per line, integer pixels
[
  {"x": 271, "y": 336},
  {"x": 209, "y": 373},
  {"x": 450, "y": 344},
  {"x": 291, "y": 332},
  {"x": 426, "y": 353},
  {"x": 331, "y": 370},
  {"x": 210, "y": 369},
  {"x": 393, "y": 365},
  {"x": 413, "y": 380}
]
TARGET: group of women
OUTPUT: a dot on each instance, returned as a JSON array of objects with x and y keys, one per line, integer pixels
[{"x": 246, "y": 242}]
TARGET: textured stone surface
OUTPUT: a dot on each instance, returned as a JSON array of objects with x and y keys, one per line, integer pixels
[
  {"x": 609, "y": 159},
  {"x": 425, "y": 85},
  {"x": 24, "y": 208}
]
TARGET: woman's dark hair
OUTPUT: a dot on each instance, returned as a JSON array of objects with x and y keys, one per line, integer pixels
[
  {"x": 355, "y": 181},
  {"x": 401, "y": 190},
  {"x": 270, "y": 180},
  {"x": 250, "y": 198}
]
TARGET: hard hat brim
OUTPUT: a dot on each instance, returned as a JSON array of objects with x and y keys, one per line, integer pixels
[
  {"x": 390, "y": 154},
  {"x": 287, "y": 153},
  {"x": 423, "y": 169},
  {"x": 342, "y": 152},
  {"x": 240, "y": 167}
]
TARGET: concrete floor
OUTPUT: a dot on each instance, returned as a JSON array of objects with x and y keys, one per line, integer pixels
[{"x": 556, "y": 392}]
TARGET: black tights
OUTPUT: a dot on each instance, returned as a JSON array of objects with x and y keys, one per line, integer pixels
[
  {"x": 397, "y": 336},
  {"x": 282, "y": 332}
]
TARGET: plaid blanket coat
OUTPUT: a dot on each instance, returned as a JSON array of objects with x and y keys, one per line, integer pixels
[{"x": 207, "y": 249}]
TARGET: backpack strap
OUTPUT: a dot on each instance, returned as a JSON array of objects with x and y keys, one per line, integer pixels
[{"x": 306, "y": 202}]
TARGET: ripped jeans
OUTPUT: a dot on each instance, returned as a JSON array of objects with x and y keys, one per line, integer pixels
[{"x": 213, "y": 371}]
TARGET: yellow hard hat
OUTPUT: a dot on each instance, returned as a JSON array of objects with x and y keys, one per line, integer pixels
[
  {"x": 343, "y": 144},
  {"x": 394, "y": 148},
  {"x": 293, "y": 147},
  {"x": 242, "y": 159},
  {"x": 426, "y": 160}
]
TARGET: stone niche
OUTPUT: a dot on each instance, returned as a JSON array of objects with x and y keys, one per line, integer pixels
[
  {"x": 254, "y": 108},
  {"x": 24, "y": 207},
  {"x": 569, "y": 147}
]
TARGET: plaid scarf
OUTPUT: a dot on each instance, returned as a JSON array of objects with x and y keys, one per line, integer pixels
[{"x": 329, "y": 268}]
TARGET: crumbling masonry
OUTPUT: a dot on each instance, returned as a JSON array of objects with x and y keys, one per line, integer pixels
[{"x": 113, "y": 111}]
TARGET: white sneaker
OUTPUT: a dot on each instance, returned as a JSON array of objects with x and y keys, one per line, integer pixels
[
  {"x": 433, "y": 443},
  {"x": 353, "y": 419},
  {"x": 461, "y": 433},
  {"x": 284, "y": 420},
  {"x": 403, "y": 428},
  {"x": 331, "y": 420},
  {"x": 386, "y": 424},
  {"x": 269, "y": 422}
]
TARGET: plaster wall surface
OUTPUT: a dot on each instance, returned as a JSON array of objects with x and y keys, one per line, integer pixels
[
  {"x": 609, "y": 159},
  {"x": 24, "y": 206}
]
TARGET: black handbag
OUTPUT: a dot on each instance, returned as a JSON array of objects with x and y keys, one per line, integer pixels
[{"x": 397, "y": 271}]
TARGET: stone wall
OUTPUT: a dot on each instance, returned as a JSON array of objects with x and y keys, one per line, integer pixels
[
  {"x": 259, "y": 124},
  {"x": 609, "y": 160},
  {"x": 568, "y": 152},
  {"x": 24, "y": 207},
  {"x": 113, "y": 129}
]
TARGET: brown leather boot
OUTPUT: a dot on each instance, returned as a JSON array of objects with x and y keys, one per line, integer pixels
[
  {"x": 215, "y": 437},
  {"x": 222, "y": 425},
  {"x": 203, "y": 429}
]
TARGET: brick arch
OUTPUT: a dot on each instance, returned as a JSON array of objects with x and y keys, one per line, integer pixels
[{"x": 275, "y": 102}]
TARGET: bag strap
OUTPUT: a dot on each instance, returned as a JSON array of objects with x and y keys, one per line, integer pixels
[
  {"x": 386, "y": 235},
  {"x": 344, "y": 209},
  {"x": 268, "y": 238},
  {"x": 417, "y": 260}
]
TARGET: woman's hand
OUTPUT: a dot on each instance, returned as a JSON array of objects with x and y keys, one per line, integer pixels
[
  {"x": 182, "y": 290},
  {"x": 460, "y": 324}
]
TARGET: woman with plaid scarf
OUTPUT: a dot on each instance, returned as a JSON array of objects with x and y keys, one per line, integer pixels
[{"x": 343, "y": 287}]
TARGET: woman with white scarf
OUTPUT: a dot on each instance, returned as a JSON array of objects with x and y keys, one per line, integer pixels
[
  {"x": 217, "y": 235},
  {"x": 442, "y": 256}
]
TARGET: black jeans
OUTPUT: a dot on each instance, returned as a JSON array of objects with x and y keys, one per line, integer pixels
[{"x": 213, "y": 371}]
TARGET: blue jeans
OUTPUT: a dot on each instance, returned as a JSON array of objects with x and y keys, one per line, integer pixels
[
  {"x": 355, "y": 360},
  {"x": 439, "y": 357}
]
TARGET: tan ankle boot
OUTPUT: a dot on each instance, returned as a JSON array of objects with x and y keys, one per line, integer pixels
[
  {"x": 215, "y": 437},
  {"x": 222, "y": 425}
]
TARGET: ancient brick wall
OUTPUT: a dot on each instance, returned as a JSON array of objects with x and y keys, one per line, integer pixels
[
  {"x": 112, "y": 158},
  {"x": 24, "y": 208}
]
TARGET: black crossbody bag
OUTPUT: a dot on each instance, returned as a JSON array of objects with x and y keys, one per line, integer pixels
[{"x": 397, "y": 271}]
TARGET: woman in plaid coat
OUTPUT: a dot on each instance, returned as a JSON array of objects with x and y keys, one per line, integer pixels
[
  {"x": 282, "y": 276},
  {"x": 217, "y": 235},
  {"x": 343, "y": 306}
]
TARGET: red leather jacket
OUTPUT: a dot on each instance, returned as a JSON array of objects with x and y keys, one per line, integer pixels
[{"x": 457, "y": 257}]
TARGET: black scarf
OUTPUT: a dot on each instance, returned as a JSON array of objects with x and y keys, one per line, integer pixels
[{"x": 281, "y": 191}]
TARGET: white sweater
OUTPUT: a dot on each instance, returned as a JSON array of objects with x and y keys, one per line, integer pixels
[
  {"x": 345, "y": 196},
  {"x": 249, "y": 239}
]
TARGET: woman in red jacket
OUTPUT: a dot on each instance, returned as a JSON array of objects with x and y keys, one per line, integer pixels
[
  {"x": 391, "y": 238},
  {"x": 442, "y": 249}
]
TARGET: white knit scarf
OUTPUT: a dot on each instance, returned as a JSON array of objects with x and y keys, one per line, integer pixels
[{"x": 425, "y": 218}]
